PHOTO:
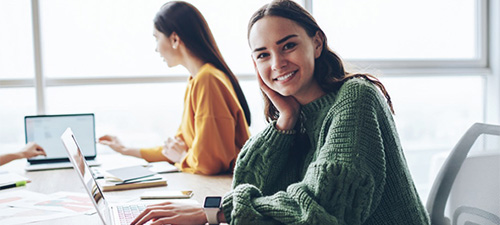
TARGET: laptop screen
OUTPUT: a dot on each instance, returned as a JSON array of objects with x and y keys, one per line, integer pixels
[
  {"x": 45, "y": 130},
  {"x": 74, "y": 152}
]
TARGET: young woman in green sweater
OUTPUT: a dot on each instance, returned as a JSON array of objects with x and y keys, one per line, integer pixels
[{"x": 330, "y": 154}]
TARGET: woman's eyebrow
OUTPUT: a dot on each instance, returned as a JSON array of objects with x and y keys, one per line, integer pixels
[
  {"x": 278, "y": 42},
  {"x": 286, "y": 38},
  {"x": 259, "y": 49}
]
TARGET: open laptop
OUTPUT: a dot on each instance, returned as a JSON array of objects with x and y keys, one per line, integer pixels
[
  {"x": 109, "y": 214},
  {"x": 45, "y": 131}
]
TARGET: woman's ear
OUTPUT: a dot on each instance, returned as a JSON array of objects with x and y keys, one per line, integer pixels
[
  {"x": 318, "y": 41},
  {"x": 175, "y": 40}
]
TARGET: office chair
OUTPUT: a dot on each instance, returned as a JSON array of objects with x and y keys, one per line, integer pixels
[{"x": 440, "y": 192}]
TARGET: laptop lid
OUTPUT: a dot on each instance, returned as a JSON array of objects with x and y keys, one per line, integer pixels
[
  {"x": 46, "y": 130},
  {"x": 74, "y": 152}
]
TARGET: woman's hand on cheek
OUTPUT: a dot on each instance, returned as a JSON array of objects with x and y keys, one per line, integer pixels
[
  {"x": 288, "y": 106},
  {"x": 172, "y": 213}
]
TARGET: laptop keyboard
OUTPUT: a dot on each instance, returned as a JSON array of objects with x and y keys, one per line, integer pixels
[{"x": 127, "y": 213}]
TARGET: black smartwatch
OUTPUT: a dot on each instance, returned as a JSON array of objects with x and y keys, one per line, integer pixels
[{"x": 212, "y": 206}]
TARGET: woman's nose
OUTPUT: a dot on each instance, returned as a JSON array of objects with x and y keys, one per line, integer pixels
[{"x": 279, "y": 62}]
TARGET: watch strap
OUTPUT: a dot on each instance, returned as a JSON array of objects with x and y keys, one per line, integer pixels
[{"x": 212, "y": 215}]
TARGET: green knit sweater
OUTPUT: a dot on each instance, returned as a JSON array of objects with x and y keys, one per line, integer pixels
[{"x": 350, "y": 171}]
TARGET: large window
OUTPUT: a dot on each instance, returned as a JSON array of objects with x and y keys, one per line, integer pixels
[
  {"x": 16, "y": 45},
  {"x": 98, "y": 56},
  {"x": 401, "y": 30}
]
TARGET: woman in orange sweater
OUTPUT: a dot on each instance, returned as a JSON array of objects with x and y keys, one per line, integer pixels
[{"x": 216, "y": 116}]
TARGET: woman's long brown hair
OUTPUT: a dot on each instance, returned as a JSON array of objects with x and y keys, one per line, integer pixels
[
  {"x": 329, "y": 69},
  {"x": 187, "y": 22}
]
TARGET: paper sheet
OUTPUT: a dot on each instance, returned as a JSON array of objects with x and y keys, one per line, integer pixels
[
  {"x": 67, "y": 202},
  {"x": 9, "y": 178},
  {"x": 13, "y": 216},
  {"x": 32, "y": 207}
]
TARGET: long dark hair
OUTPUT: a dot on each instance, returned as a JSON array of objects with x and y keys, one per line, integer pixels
[
  {"x": 329, "y": 69},
  {"x": 187, "y": 22}
]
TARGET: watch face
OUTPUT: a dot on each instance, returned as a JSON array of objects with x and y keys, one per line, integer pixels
[{"x": 212, "y": 202}]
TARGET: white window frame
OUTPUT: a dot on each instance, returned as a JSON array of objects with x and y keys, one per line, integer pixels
[{"x": 492, "y": 92}]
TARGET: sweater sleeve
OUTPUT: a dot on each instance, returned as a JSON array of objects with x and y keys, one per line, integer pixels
[
  {"x": 212, "y": 152},
  {"x": 264, "y": 158},
  {"x": 342, "y": 185},
  {"x": 153, "y": 154},
  {"x": 213, "y": 149}
]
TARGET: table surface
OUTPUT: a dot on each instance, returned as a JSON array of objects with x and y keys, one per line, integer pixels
[{"x": 51, "y": 181}]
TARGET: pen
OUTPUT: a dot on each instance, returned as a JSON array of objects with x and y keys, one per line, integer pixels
[
  {"x": 17, "y": 184},
  {"x": 138, "y": 181}
]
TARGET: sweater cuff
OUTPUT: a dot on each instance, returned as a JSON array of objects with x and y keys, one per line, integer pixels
[
  {"x": 227, "y": 206},
  {"x": 277, "y": 138}
]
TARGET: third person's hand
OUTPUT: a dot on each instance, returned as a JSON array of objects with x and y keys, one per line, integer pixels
[{"x": 113, "y": 142}]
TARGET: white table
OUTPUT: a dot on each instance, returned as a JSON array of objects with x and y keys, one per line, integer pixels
[{"x": 51, "y": 181}]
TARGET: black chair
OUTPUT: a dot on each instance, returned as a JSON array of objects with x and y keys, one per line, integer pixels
[{"x": 440, "y": 191}]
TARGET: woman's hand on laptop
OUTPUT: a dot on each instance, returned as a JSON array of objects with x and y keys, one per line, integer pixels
[
  {"x": 114, "y": 143},
  {"x": 32, "y": 149},
  {"x": 172, "y": 213}
]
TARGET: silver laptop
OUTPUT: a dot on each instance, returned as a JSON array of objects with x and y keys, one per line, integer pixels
[
  {"x": 109, "y": 214},
  {"x": 45, "y": 131}
]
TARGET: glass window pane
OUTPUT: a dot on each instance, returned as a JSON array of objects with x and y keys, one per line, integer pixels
[
  {"x": 228, "y": 20},
  {"x": 392, "y": 29},
  {"x": 99, "y": 38},
  {"x": 16, "y": 39},
  {"x": 432, "y": 113},
  {"x": 254, "y": 99},
  {"x": 13, "y": 110},
  {"x": 109, "y": 38},
  {"x": 141, "y": 115}
]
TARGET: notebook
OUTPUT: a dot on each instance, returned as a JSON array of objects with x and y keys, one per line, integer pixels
[
  {"x": 130, "y": 177},
  {"x": 109, "y": 214},
  {"x": 130, "y": 173},
  {"x": 45, "y": 131},
  {"x": 145, "y": 183}
]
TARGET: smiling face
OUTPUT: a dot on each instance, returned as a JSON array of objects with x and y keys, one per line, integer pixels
[
  {"x": 164, "y": 46},
  {"x": 284, "y": 56}
]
